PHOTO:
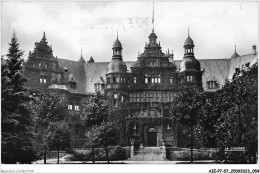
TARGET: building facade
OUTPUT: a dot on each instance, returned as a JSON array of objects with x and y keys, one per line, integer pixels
[{"x": 142, "y": 88}]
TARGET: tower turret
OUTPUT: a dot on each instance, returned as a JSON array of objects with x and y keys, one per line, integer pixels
[
  {"x": 117, "y": 49},
  {"x": 116, "y": 77},
  {"x": 190, "y": 72}
]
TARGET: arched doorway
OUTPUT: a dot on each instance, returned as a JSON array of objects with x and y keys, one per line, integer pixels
[{"x": 151, "y": 137}]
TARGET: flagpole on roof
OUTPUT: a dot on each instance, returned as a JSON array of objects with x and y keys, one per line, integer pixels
[{"x": 153, "y": 18}]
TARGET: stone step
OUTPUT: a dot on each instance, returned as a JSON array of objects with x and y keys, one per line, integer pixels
[
  {"x": 148, "y": 154},
  {"x": 147, "y": 157},
  {"x": 149, "y": 150}
]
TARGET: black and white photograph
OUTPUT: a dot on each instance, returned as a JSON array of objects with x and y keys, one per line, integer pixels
[{"x": 129, "y": 86}]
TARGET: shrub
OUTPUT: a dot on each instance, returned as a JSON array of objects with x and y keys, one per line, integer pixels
[{"x": 115, "y": 153}]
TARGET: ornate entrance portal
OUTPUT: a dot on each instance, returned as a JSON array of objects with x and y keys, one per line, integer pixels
[{"x": 151, "y": 137}]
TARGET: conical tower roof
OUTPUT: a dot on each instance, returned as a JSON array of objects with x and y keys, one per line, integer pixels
[{"x": 81, "y": 59}]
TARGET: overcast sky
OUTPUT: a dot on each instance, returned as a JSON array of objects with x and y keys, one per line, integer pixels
[{"x": 215, "y": 27}]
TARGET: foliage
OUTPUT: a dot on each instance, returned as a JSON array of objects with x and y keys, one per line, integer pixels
[
  {"x": 208, "y": 117},
  {"x": 95, "y": 110},
  {"x": 50, "y": 122},
  {"x": 115, "y": 153},
  {"x": 228, "y": 117},
  {"x": 186, "y": 106},
  {"x": 185, "y": 109},
  {"x": 238, "y": 124},
  {"x": 102, "y": 135},
  {"x": 16, "y": 122}
]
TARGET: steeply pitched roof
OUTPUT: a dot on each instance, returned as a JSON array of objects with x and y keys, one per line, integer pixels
[
  {"x": 81, "y": 60},
  {"x": 88, "y": 74},
  {"x": 91, "y": 60},
  {"x": 77, "y": 69},
  {"x": 240, "y": 61}
]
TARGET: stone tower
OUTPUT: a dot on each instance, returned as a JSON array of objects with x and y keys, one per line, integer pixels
[
  {"x": 190, "y": 75},
  {"x": 116, "y": 78}
]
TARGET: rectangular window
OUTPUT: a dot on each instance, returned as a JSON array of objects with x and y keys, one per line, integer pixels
[
  {"x": 114, "y": 80},
  {"x": 158, "y": 98},
  {"x": 138, "y": 97},
  {"x": 163, "y": 96},
  {"x": 70, "y": 104},
  {"x": 146, "y": 79},
  {"x": 115, "y": 100},
  {"x": 43, "y": 79},
  {"x": 156, "y": 80},
  {"x": 171, "y": 96},
  {"x": 122, "y": 98},
  {"x": 123, "y": 80},
  {"x": 77, "y": 102},
  {"x": 171, "y": 80},
  {"x": 134, "y": 79},
  {"x": 151, "y": 97},
  {"x": 117, "y": 80},
  {"x": 191, "y": 78},
  {"x": 134, "y": 97},
  {"x": 147, "y": 97},
  {"x": 141, "y": 97},
  {"x": 131, "y": 98},
  {"x": 108, "y": 80},
  {"x": 152, "y": 80},
  {"x": 72, "y": 85}
]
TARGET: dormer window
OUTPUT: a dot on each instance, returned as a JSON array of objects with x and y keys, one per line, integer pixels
[
  {"x": 212, "y": 84},
  {"x": 72, "y": 85},
  {"x": 99, "y": 87}
]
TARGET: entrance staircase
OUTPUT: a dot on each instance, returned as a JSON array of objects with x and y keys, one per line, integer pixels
[{"x": 148, "y": 154}]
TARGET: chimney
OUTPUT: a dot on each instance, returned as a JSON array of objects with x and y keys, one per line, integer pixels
[{"x": 254, "y": 49}]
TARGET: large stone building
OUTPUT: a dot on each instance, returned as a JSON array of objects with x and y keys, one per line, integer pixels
[{"x": 143, "y": 87}]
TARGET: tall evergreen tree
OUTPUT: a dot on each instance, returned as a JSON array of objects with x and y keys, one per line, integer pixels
[{"x": 16, "y": 122}]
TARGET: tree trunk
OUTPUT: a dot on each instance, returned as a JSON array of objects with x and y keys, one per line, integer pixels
[
  {"x": 58, "y": 150},
  {"x": 107, "y": 154},
  {"x": 93, "y": 155},
  {"x": 254, "y": 158},
  {"x": 191, "y": 145},
  {"x": 45, "y": 154}
]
